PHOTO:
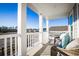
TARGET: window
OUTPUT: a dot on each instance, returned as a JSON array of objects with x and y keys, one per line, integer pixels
[{"x": 75, "y": 12}]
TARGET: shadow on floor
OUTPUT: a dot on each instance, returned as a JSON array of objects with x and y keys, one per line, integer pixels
[
  {"x": 45, "y": 50},
  {"x": 41, "y": 50}
]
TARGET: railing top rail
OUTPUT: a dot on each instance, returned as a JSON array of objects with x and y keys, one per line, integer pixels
[
  {"x": 8, "y": 35},
  {"x": 58, "y": 31},
  {"x": 32, "y": 33},
  {"x": 15, "y": 35}
]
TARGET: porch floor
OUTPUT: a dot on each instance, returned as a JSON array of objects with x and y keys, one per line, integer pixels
[{"x": 45, "y": 50}]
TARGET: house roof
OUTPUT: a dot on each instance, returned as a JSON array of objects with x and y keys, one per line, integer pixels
[{"x": 58, "y": 28}]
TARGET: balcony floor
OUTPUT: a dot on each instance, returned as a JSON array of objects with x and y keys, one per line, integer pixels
[{"x": 45, "y": 50}]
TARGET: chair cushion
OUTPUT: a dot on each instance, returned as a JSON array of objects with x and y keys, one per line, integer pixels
[{"x": 73, "y": 44}]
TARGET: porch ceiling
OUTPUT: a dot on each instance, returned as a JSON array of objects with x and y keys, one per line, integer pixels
[{"x": 52, "y": 10}]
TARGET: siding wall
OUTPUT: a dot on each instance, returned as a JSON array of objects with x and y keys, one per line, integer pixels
[{"x": 75, "y": 21}]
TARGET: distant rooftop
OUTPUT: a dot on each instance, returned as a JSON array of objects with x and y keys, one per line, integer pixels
[{"x": 58, "y": 28}]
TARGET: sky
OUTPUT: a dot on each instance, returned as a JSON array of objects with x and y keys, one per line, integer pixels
[
  {"x": 8, "y": 17},
  {"x": 8, "y": 14},
  {"x": 32, "y": 19},
  {"x": 58, "y": 22}
]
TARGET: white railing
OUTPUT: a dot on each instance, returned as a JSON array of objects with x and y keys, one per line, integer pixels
[
  {"x": 32, "y": 39},
  {"x": 10, "y": 43}
]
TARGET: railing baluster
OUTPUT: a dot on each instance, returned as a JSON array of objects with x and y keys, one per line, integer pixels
[
  {"x": 28, "y": 41},
  {"x": 11, "y": 46},
  {"x": 15, "y": 46},
  {"x": 5, "y": 46},
  {"x": 31, "y": 40},
  {"x": 34, "y": 39}
]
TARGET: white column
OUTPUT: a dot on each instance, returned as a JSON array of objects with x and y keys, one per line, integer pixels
[
  {"x": 47, "y": 29},
  {"x": 40, "y": 29},
  {"x": 21, "y": 29},
  {"x": 77, "y": 21}
]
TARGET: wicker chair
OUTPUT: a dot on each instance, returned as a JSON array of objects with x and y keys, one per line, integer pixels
[{"x": 64, "y": 52}]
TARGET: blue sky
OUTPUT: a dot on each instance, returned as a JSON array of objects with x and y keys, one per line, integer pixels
[
  {"x": 58, "y": 22},
  {"x": 32, "y": 19},
  {"x": 8, "y": 14},
  {"x": 8, "y": 17}
]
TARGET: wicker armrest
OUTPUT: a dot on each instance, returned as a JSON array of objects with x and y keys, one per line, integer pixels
[
  {"x": 71, "y": 52},
  {"x": 65, "y": 52},
  {"x": 55, "y": 50}
]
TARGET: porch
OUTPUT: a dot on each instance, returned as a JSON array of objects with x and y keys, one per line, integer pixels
[{"x": 37, "y": 43}]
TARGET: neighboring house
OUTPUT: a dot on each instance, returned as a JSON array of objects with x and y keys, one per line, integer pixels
[{"x": 57, "y": 30}]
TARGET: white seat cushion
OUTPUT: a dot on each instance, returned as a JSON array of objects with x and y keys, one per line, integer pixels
[{"x": 73, "y": 44}]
